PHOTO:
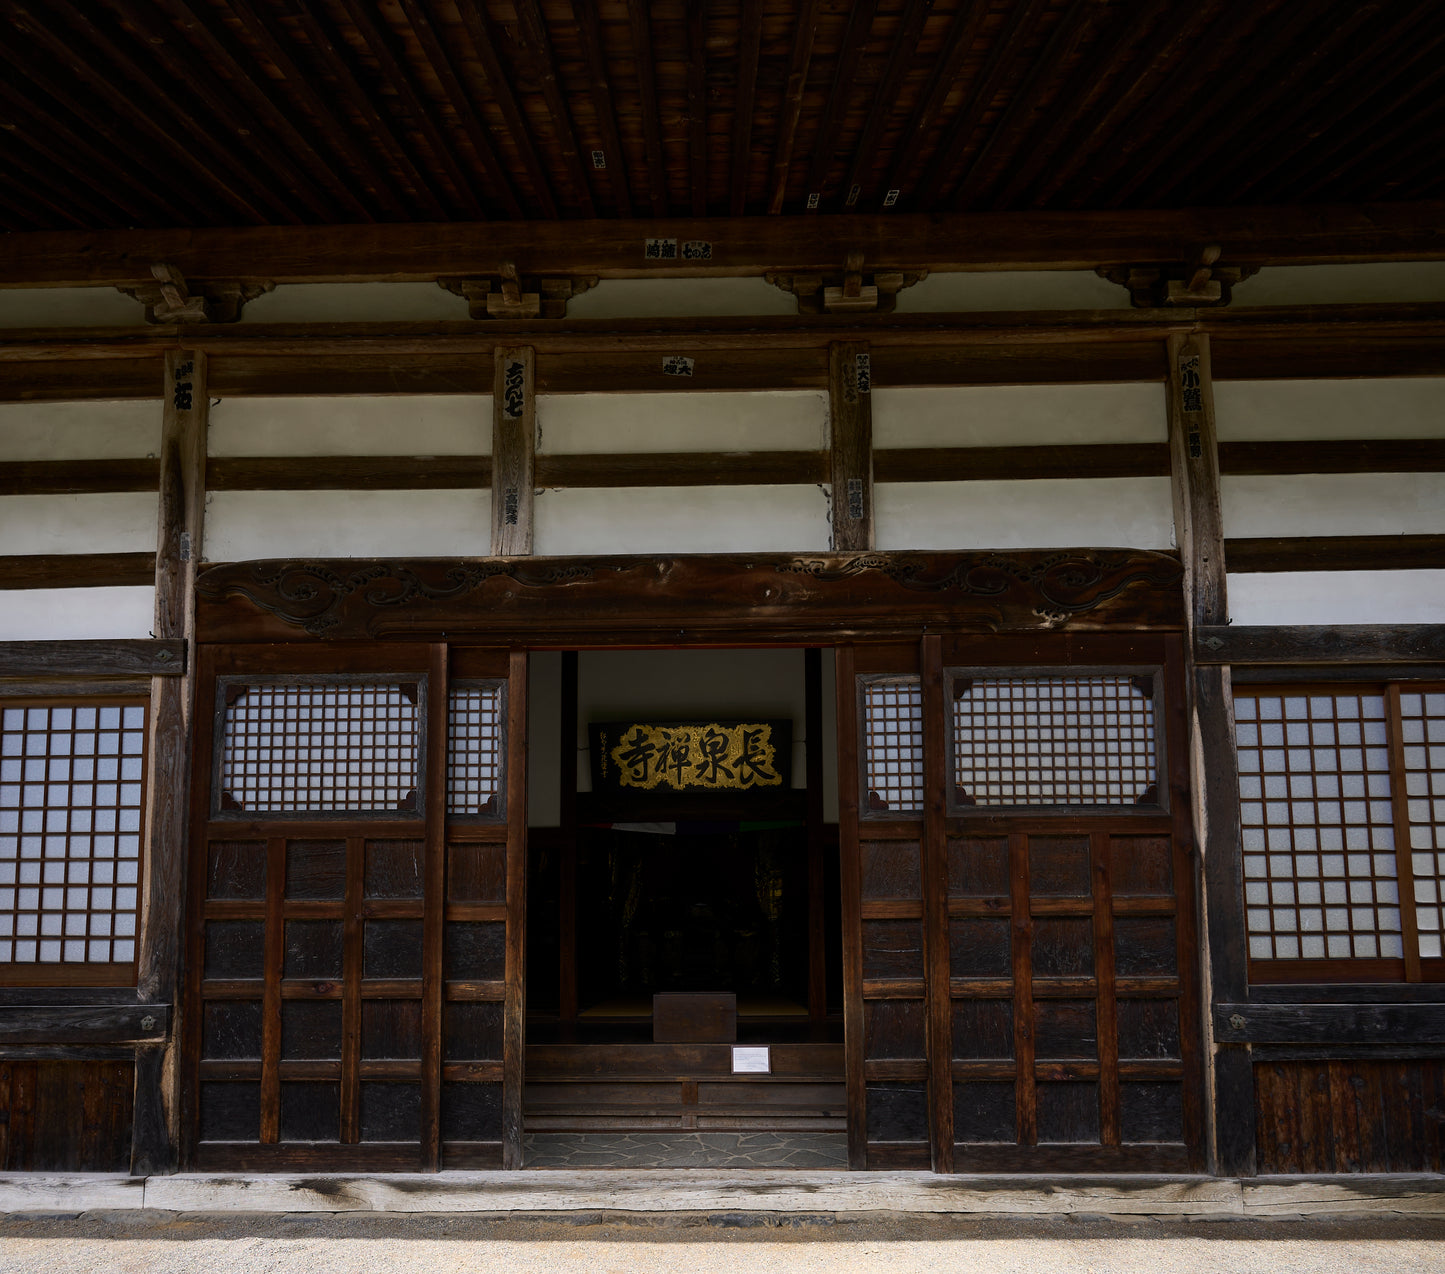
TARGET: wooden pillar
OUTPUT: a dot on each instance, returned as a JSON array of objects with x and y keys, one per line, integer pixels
[
  {"x": 184, "y": 420},
  {"x": 850, "y": 411},
  {"x": 938, "y": 1004},
  {"x": 817, "y": 936},
  {"x": 514, "y": 1013},
  {"x": 514, "y": 448},
  {"x": 1194, "y": 463}
]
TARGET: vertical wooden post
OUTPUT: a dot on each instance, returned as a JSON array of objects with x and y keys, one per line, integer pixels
[
  {"x": 514, "y": 448},
  {"x": 850, "y": 411},
  {"x": 939, "y": 1034},
  {"x": 434, "y": 885},
  {"x": 813, "y": 732},
  {"x": 514, "y": 1019},
  {"x": 184, "y": 418},
  {"x": 1199, "y": 529},
  {"x": 567, "y": 890},
  {"x": 852, "y": 914}
]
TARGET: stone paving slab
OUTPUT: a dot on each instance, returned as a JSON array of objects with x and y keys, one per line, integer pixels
[{"x": 693, "y": 1192}]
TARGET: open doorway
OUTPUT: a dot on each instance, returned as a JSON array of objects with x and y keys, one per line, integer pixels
[{"x": 715, "y": 886}]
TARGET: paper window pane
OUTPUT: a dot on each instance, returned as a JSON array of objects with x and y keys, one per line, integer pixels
[
  {"x": 62, "y": 813},
  {"x": 1324, "y": 762},
  {"x": 1072, "y": 741},
  {"x": 320, "y": 747},
  {"x": 893, "y": 744},
  {"x": 475, "y": 724},
  {"x": 1422, "y": 716}
]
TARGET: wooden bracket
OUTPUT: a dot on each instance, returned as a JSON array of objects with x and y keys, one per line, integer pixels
[
  {"x": 512, "y": 295},
  {"x": 1202, "y": 282},
  {"x": 170, "y": 299},
  {"x": 846, "y": 292}
]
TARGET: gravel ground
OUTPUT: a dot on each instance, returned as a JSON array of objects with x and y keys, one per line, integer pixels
[{"x": 150, "y": 1243}]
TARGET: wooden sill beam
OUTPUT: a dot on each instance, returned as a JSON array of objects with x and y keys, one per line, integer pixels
[
  {"x": 1320, "y": 644},
  {"x": 741, "y": 246},
  {"x": 88, "y": 1024},
  {"x": 134, "y": 657},
  {"x": 1335, "y": 553},
  {"x": 1329, "y": 1023}
]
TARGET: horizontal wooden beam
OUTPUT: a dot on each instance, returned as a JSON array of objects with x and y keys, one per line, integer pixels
[
  {"x": 1315, "y": 1023},
  {"x": 1335, "y": 553},
  {"x": 77, "y": 570},
  {"x": 91, "y": 1024},
  {"x": 1356, "y": 455},
  {"x": 347, "y": 473},
  {"x": 723, "y": 468},
  {"x": 738, "y": 246},
  {"x": 93, "y": 658},
  {"x": 1320, "y": 644},
  {"x": 77, "y": 477},
  {"x": 965, "y": 464}
]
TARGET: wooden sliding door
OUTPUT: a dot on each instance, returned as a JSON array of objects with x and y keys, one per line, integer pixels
[
  {"x": 1020, "y": 951},
  {"x": 354, "y": 998}
]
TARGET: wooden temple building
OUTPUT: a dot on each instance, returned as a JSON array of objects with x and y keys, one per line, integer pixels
[{"x": 589, "y": 578}]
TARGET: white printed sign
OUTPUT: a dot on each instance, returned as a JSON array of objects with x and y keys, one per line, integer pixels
[{"x": 751, "y": 1061}]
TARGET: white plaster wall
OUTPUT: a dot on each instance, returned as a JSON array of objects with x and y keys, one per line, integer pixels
[
  {"x": 669, "y": 520},
  {"x": 354, "y": 303},
  {"x": 353, "y": 425},
  {"x": 679, "y": 685},
  {"x": 788, "y": 420},
  {"x": 69, "y": 307},
  {"x": 1343, "y": 284},
  {"x": 1333, "y": 504},
  {"x": 80, "y": 430},
  {"x": 1055, "y": 513},
  {"x": 1397, "y": 407},
  {"x": 1018, "y": 415},
  {"x": 119, "y": 522},
  {"x": 1338, "y": 597},
  {"x": 677, "y": 298},
  {"x": 57, "y": 614},
  {"x": 242, "y": 525},
  {"x": 1013, "y": 290},
  {"x": 544, "y": 738}
]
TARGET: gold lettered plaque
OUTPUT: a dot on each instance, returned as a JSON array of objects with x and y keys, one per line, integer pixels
[{"x": 706, "y": 756}]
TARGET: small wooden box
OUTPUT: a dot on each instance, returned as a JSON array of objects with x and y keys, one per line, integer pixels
[{"x": 702, "y": 1017}]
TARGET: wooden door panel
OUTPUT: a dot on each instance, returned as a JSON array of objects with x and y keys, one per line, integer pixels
[
  {"x": 348, "y": 1002},
  {"x": 1024, "y": 978}
]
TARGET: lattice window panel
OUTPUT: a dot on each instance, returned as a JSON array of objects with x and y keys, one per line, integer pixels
[
  {"x": 72, "y": 783},
  {"x": 1318, "y": 826},
  {"x": 320, "y": 746},
  {"x": 1422, "y": 738},
  {"x": 476, "y": 724},
  {"x": 1077, "y": 740},
  {"x": 893, "y": 744}
]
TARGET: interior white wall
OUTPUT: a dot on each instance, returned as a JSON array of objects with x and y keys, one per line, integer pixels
[
  {"x": 544, "y": 738},
  {"x": 1333, "y": 504},
  {"x": 1052, "y": 513},
  {"x": 683, "y": 685},
  {"x": 1394, "y": 407},
  {"x": 67, "y": 614},
  {"x": 1019, "y": 415},
  {"x": 354, "y": 303},
  {"x": 353, "y": 425},
  {"x": 1343, "y": 284},
  {"x": 786, "y": 420},
  {"x": 1338, "y": 597},
  {"x": 678, "y": 298},
  {"x": 128, "y": 429},
  {"x": 242, "y": 525},
  {"x": 69, "y": 307},
  {"x": 116, "y": 522},
  {"x": 1012, "y": 290},
  {"x": 669, "y": 520}
]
